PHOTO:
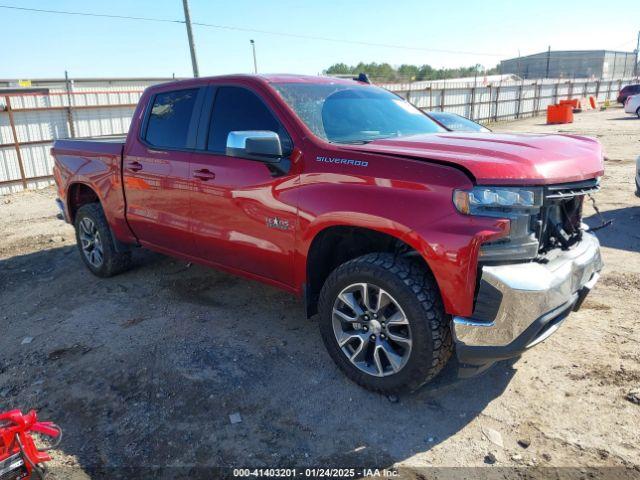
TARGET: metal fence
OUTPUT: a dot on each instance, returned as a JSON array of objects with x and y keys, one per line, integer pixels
[
  {"x": 60, "y": 108},
  {"x": 30, "y": 122},
  {"x": 506, "y": 100},
  {"x": 32, "y": 118}
]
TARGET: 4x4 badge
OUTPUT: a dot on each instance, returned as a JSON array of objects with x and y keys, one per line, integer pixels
[{"x": 277, "y": 223}]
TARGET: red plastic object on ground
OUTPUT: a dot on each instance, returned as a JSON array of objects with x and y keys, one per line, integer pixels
[
  {"x": 560, "y": 113},
  {"x": 593, "y": 102},
  {"x": 19, "y": 456},
  {"x": 574, "y": 102}
]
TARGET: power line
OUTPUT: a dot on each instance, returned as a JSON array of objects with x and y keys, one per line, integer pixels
[
  {"x": 277, "y": 33},
  {"x": 251, "y": 30},
  {"x": 88, "y": 14},
  {"x": 339, "y": 40}
]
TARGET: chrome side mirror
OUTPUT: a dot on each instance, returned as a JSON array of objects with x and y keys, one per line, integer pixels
[{"x": 263, "y": 145}]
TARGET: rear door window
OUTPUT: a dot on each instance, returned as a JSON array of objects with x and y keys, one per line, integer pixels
[
  {"x": 170, "y": 118},
  {"x": 238, "y": 109}
]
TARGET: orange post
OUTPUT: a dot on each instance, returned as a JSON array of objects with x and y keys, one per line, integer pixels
[
  {"x": 562, "y": 113},
  {"x": 574, "y": 102}
]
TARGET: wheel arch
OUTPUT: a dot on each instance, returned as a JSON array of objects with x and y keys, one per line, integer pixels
[
  {"x": 335, "y": 243},
  {"x": 79, "y": 194}
]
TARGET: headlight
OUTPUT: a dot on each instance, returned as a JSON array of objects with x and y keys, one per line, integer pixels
[
  {"x": 520, "y": 205},
  {"x": 489, "y": 201}
]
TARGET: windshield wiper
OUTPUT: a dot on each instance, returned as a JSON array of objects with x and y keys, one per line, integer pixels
[
  {"x": 385, "y": 136},
  {"x": 350, "y": 142}
]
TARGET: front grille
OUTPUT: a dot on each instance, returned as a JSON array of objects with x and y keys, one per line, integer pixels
[
  {"x": 570, "y": 190},
  {"x": 560, "y": 220}
]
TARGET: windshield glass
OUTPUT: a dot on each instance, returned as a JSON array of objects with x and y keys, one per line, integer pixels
[{"x": 354, "y": 113}]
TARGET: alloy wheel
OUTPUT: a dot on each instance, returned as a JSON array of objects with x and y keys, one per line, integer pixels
[
  {"x": 371, "y": 329},
  {"x": 91, "y": 242}
]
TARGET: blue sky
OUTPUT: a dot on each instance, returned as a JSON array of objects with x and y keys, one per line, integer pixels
[{"x": 44, "y": 45}]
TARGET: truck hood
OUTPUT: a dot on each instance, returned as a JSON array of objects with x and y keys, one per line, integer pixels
[{"x": 504, "y": 159}]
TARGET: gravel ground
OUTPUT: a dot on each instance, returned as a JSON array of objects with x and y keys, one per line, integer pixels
[{"x": 145, "y": 368}]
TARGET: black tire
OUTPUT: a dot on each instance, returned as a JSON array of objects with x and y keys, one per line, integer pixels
[
  {"x": 416, "y": 292},
  {"x": 638, "y": 112},
  {"x": 113, "y": 262}
]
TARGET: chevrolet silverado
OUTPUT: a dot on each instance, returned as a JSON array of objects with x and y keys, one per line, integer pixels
[{"x": 412, "y": 243}]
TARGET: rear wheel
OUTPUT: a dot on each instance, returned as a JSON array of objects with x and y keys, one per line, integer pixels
[
  {"x": 95, "y": 242},
  {"x": 638, "y": 112},
  {"x": 382, "y": 322}
]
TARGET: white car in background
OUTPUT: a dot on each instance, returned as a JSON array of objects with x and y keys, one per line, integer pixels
[{"x": 632, "y": 105}]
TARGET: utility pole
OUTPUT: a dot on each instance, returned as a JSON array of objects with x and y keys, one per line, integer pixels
[
  {"x": 67, "y": 84},
  {"x": 635, "y": 69},
  {"x": 548, "y": 60},
  {"x": 192, "y": 47},
  {"x": 255, "y": 62}
]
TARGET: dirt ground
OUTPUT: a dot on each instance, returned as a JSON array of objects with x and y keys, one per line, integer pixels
[{"x": 144, "y": 369}]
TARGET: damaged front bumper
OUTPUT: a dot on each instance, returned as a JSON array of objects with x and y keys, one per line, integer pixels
[{"x": 520, "y": 305}]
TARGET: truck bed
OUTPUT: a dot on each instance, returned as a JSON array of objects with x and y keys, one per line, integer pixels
[
  {"x": 96, "y": 162},
  {"x": 109, "y": 145}
]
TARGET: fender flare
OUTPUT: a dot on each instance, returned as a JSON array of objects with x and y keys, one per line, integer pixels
[
  {"x": 119, "y": 246},
  {"x": 359, "y": 220}
]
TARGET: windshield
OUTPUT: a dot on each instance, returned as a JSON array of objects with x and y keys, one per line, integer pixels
[
  {"x": 354, "y": 113},
  {"x": 457, "y": 123}
]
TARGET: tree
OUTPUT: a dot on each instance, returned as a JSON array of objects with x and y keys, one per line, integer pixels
[
  {"x": 339, "y": 68},
  {"x": 409, "y": 72},
  {"x": 383, "y": 72}
]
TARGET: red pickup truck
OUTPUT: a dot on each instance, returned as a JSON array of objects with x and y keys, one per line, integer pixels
[{"x": 411, "y": 242}]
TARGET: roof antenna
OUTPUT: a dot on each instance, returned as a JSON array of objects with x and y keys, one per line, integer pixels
[{"x": 362, "y": 77}]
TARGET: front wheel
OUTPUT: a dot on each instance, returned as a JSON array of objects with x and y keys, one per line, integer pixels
[
  {"x": 638, "y": 112},
  {"x": 383, "y": 323}
]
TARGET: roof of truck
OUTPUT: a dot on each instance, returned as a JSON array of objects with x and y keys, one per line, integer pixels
[
  {"x": 265, "y": 78},
  {"x": 292, "y": 78}
]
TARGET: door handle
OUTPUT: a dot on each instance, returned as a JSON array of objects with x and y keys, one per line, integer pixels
[
  {"x": 204, "y": 174},
  {"x": 134, "y": 166}
]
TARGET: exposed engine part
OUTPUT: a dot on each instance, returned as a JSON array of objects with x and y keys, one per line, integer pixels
[{"x": 603, "y": 223}]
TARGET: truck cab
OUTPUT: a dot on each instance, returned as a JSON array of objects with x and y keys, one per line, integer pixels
[{"x": 412, "y": 242}]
